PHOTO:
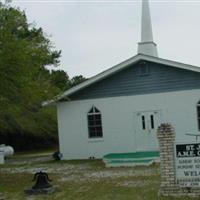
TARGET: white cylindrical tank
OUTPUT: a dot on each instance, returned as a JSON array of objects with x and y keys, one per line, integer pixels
[{"x": 7, "y": 150}]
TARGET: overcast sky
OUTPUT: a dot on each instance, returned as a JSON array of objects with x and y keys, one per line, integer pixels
[{"x": 96, "y": 35}]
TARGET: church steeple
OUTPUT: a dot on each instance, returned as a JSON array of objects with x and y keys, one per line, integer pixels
[{"x": 147, "y": 46}]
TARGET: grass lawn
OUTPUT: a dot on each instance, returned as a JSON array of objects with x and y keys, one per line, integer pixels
[{"x": 79, "y": 180}]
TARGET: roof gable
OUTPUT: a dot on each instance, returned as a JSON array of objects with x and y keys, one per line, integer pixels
[
  {"x": 143, "y": 77},
  {"x": 118, "y": 68}
]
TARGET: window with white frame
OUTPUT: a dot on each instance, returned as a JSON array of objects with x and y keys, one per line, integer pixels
[
  {"x": 198, "y": 115},
  {"x": 94, "y": 123}
]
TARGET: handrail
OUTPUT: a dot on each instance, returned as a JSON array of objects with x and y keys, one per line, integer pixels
[{"x": 196, "y": 135}]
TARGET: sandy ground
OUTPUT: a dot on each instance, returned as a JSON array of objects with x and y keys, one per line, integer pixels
[
  {"x": 76, "y": 172},
  {"x": 78, "y": 176}
]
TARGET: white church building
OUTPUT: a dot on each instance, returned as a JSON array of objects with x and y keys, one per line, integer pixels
[{"x": 119, "y": 110}]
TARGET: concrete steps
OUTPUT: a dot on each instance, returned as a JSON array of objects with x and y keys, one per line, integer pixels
[{"x": 131, "y": 159}]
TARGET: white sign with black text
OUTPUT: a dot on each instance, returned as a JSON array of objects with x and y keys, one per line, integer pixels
[{"x": 187, "y": 164}]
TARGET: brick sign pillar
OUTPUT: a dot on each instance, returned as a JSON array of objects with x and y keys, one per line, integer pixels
[{"x": 166, "y": 138}]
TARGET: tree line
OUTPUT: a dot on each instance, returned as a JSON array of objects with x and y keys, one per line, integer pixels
[{"x": 25, "y": 82}]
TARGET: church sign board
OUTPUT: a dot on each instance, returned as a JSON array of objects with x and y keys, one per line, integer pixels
[{"x": 187, "y": 164}]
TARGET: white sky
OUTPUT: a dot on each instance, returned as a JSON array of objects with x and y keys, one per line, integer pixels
[{"x": 95, "y": 35}]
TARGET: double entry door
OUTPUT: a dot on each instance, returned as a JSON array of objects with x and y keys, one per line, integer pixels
[{"x": 145, "y": 126}]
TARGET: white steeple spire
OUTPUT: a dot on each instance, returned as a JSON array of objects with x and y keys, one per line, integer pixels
[{"x": 147, "y": 46}]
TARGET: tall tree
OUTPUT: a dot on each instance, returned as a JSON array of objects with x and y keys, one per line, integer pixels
[
  {"x": 77, "y": 80},
  {"x": 60, "y": 79},
  {"x": 24, "y": 82}
]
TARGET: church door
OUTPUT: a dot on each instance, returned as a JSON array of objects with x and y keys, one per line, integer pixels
[{"x": 146, "y": 124}]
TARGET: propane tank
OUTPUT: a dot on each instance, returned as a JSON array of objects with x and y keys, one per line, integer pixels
[{"x": 7, "y": 150}]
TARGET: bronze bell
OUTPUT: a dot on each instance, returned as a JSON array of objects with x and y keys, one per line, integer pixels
[
  {"x": 42, "y": 185},
  {"x": 42, "y": 181}
]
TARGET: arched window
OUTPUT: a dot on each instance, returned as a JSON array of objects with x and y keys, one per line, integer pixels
[
  {"x": 94, "y": 123},
  {"x": 198, "y": 115}
]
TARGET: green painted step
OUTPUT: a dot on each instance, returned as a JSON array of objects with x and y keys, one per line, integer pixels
[
  {"x": 131, "y": 159},
  {"x": 145, "y": 154}
]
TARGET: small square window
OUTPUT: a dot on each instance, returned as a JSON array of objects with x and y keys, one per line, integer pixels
[{"x": 144, "y": 69}]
